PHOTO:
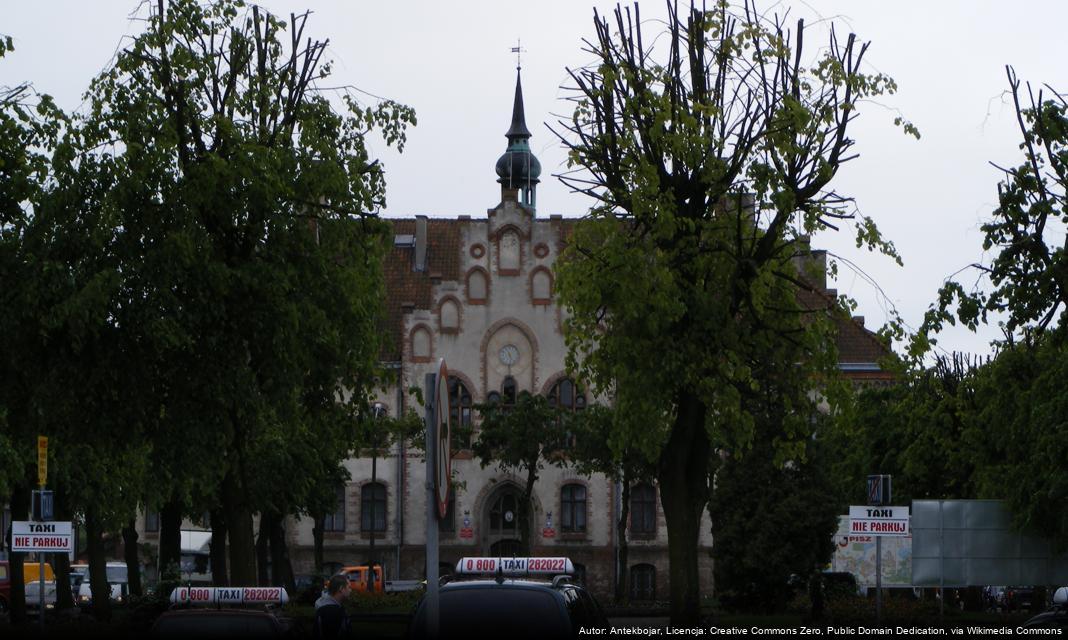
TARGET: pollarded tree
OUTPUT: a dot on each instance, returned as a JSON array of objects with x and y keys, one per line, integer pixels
[
  {"x": 250, "y": 259},
  {"x": 708, "y": 150},
  {"x": 1029, "y": 272}
]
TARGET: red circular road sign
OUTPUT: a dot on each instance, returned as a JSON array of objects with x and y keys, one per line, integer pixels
[{"x": 443, "y": 475}]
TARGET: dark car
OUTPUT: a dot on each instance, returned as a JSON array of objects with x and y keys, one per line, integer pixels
[
  {"x": 508, "y": 606},
  {"x": 1020, "y": 598},
  {"x": 204, "y": 624},
  {"x": 1056, "y": 617},
  {"x": 5, "y": 586}
]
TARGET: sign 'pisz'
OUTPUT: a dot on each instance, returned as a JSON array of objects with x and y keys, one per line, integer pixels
[{"x": 879, "y": 521}]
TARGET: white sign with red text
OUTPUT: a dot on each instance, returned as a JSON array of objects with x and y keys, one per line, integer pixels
[
  {"x": 229, "y": 595},
  {"x": 42, "y": 536},
  {"x": 879, "y": 521}
]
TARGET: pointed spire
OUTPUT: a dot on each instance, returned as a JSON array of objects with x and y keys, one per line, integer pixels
[{"x": 519, "y": 124}]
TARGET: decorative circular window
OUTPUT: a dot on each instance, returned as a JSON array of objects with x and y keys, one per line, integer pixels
[
  {"x": 541, "y": 250},
  {"x": 477, "y": 251}
]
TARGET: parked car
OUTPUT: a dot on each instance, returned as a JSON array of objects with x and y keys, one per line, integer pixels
[
  {"x": 1020, "y": 598},
  {"x": 513, "y": 603},
  {"x": 357, "y": 576},
  {"x": 33, "y": 595},
  {"x": 117, "y": 578},
  {"x": 1056, "y": 617}
]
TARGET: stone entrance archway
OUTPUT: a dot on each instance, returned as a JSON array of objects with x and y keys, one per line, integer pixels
[{"x": 500, "y": 522}]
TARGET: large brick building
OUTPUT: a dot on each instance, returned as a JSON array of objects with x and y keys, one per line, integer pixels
[{"x": 478, "y": 292}]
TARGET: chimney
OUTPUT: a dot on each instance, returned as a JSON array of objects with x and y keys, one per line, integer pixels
[
  {"x": 859, "y": 320},
  {"x": 419, "y": 258}
]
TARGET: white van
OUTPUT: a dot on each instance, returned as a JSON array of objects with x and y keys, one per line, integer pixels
[{"x": 117, "y": 578}]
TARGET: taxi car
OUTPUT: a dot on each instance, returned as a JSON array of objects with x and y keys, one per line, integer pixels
[
  {"x": 511, "y": 598},
  {"x": 225, "y": 620},
  {"x": 1056, "y": 617}
]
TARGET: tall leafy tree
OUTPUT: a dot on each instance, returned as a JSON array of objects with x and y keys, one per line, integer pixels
[
  {"x": 30, "y": 126},
  {"x": 707, "y": 151},
  {"x": 240, "y": 215}
]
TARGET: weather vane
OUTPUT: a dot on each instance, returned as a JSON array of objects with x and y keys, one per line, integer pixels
[{"x": 518, "y": 50}]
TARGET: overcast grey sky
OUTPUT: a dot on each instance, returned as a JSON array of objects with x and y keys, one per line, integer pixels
[{"x": 451, "y": 62}]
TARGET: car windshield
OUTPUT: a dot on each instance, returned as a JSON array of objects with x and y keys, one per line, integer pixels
[
  {"x": 504, "y": 612},
  {"x": 117, "y": 574}
]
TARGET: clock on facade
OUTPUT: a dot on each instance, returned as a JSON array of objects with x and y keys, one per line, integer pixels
[{"x": 509, "y": 354}]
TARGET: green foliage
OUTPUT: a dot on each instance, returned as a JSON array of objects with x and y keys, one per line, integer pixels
[
  {"x": 921, "y": 431},
  {"x": 774, "y": 521},
  {"x": 522, "y": 438},
  {"x": 1020, "y": 435}
]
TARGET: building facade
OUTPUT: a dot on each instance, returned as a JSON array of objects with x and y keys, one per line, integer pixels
[{"x": 478, "y": 292}]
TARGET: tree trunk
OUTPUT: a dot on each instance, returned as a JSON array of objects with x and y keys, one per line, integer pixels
[
  {"x": 281, "y": 567},
  {"x": 526, "y": 510},
  {"x": 20, "y": 507},
  {"x": 623, "y": 550},
  {"x": 218, "y": 548},
  {"x": 98, "y": 574},
  {"x": 263, "y": 578},
  {"x": 239, "y": 529},
  {"x": 170, "y": 542},
  {"x": 683, "y": 476},
  {"x": 64, "y": 597},
  {"x": 317, "y": 543},
  {"x": 132, "y": 557}
]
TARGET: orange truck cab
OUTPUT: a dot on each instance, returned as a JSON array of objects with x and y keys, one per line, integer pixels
[{"x": 357, "y": 576}]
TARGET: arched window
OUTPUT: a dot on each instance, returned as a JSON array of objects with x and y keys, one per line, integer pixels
[
  {"x": 460, "y": 409},
  {"x": 508, "y": 391},
  {"x": 373, "y": 507},
  {"x": 421, "y": 344},
  {"x": 573, "y": 508},
  {"x": 643, "y": 582},
  {"x": 567, "y": 395},
  {"x": 643, "y": 509},
  {"x": 509, "y": 253},
  {"x": 336, "y": 521},
  {"x": 541, "y": 287},
  {"x": 449, "y": 316},
  {"x": 477, "y": 287}
]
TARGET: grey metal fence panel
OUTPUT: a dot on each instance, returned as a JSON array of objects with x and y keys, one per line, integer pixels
[{"x": 958, "y": 543}]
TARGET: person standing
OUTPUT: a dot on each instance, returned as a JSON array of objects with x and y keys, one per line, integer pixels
[{"x": 330, "y": 618}]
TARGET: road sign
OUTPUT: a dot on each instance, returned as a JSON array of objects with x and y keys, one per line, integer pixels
[
  {"x": 42, "y": 536},
  {"x": 879, "y": 490},
  {"x": 43, "y": 505},
  {"x": 42, "y": 460},
  {"x": 879, "y": 521},
  {"x": 444, "y": 460}
]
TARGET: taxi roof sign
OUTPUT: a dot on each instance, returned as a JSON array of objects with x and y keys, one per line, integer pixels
[
  {"x": 516, "y": 566},
  {"x": 229, "y": 595}
]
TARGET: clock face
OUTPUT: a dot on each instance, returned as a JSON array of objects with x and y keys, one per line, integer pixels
[{"x": 509, "y": 354}]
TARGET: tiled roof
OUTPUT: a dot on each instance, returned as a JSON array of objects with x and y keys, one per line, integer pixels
[{"x": 405, "y": 286}]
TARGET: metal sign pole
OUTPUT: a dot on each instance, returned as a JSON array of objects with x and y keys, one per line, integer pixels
[
  {"x": 878, "y": 578},
  {"x": 431, "y": 506}
]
